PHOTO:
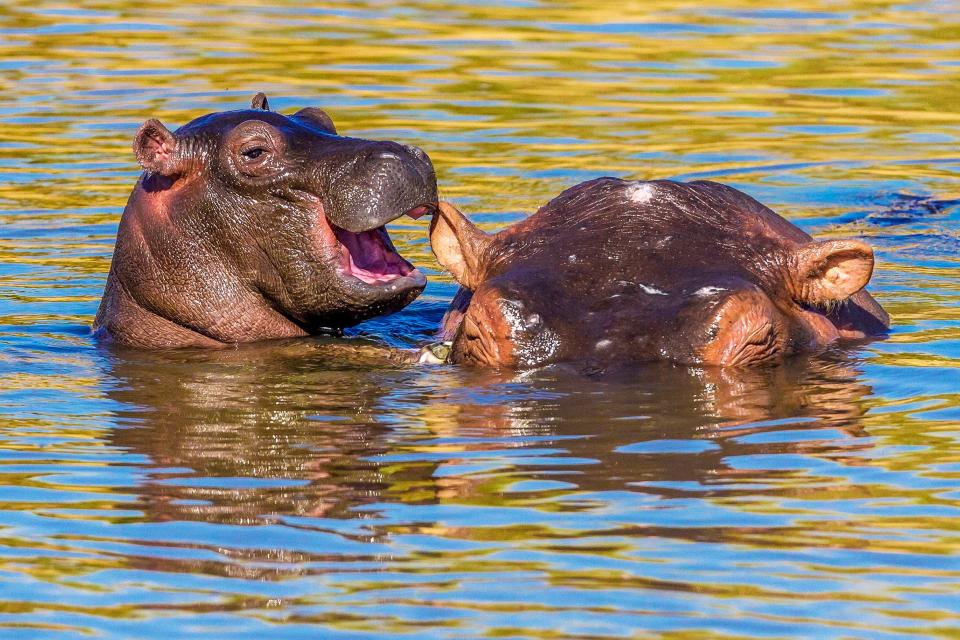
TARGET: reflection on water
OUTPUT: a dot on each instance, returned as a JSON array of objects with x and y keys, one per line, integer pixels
[
  {"x": 314, "y": 488},
  {"x": 322, "y": 433}
]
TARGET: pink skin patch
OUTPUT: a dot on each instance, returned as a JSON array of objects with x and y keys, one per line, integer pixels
[{"x": 420, "y": 211}]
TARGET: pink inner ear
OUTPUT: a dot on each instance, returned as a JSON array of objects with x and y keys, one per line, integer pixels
[
  {"x": 156, "y": 149},
  {"x": 834, "y": 269},
  {"x": 848, "y": 273}
]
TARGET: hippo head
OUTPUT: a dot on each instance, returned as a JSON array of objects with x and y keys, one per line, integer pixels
[
  {"x": 250, "y": 224},
  {"x": 695, "y": 273}
]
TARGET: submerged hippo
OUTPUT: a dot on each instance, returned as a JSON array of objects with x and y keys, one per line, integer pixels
[
  {"x": 249, "y": 224},
  {"x": 619, "y": 271}
]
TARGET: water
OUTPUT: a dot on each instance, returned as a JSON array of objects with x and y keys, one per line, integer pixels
[{"x": 288, "y": 490}]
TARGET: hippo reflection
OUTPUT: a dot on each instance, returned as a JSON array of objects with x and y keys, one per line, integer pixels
[
  {"x": 321, "y": 434},
  {"x": 613, "y": 270},
  {"x": 250, "y": 225}
]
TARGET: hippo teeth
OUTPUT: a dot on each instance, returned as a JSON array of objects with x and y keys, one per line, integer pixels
[{"x": 369, "y": 256}]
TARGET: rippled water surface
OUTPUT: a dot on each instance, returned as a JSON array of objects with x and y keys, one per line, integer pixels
[{"x": 298, "y": 489}]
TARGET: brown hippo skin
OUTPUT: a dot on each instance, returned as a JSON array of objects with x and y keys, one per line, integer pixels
[
  {"x": 248, "y": 225},
  {"x": 619, "y": 271}
]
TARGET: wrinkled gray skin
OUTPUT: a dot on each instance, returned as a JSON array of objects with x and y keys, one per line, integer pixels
[{"x": 250, "y": 225}]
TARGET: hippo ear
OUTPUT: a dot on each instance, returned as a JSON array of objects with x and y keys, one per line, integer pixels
[
  {"x": 458, "y": 245},
  {"x": 259, "y": 102},
  {"x": 318, "y": 118},
  {"x": 833, "y": 270},
  {"x": 156, "y": 148}
]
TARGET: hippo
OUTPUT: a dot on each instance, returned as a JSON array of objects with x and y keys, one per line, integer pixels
[
  {"x": 250, "y": 225},
  {"x": 616, "y": 271}
]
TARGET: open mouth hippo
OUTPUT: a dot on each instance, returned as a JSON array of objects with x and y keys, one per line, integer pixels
[
  {"x": 618, "y": 271},
  {"x": 249, "y": 225}
]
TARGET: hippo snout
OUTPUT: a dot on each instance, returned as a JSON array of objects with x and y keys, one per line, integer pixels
[{"x": 389, "y": 180}]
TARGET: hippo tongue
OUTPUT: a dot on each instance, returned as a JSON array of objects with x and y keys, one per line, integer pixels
[{"x": 369, "y": 256}]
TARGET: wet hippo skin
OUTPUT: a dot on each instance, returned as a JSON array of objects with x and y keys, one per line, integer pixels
[
  {"x": 248, "y": 225},
  {"x": 621, "y": 271}
]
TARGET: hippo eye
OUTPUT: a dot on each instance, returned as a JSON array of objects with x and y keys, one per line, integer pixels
[{"x": 254, "y": 153}]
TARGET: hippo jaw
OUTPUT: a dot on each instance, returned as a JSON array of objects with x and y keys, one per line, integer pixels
[
  {"x": 325, "y": 277},
  {"x": 370, "y": 257},
  {"x": 385, "y": 183}
]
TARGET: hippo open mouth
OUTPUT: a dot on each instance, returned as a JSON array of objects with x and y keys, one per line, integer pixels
[{"x": 370, "y": 256}]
